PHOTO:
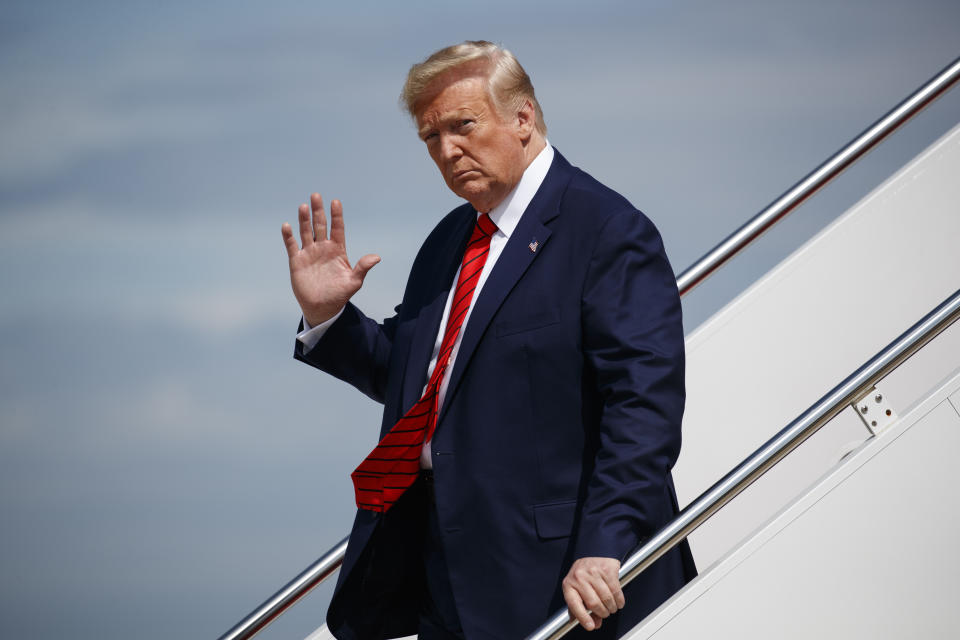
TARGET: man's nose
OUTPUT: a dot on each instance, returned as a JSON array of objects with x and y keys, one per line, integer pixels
[{"x": 449, "y": 148}]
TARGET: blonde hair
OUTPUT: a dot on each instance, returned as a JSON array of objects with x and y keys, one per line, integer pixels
[{"x": 508, "y": 84}]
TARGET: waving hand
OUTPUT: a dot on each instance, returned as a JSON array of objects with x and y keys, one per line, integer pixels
[{"x": 322, "y": 278}]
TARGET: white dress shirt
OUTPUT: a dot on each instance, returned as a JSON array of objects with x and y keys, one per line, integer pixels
[{"x": 506, "y": 216}]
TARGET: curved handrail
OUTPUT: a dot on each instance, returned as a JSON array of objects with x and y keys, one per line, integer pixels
[
  {"x": 818, "y": 178},
  {"x": 686, "y": 281},
  {"x": 288, "y": 596},
  {"x": 775, "y": 449}
]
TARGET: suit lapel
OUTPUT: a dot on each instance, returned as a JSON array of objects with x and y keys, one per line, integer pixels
[
  {"x": 427, "y": 325},
  {"x": 513, "y": 262}
]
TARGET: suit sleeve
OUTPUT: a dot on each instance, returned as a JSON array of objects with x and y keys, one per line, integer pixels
[
  {"x": 354, "y": 349},
  {"x": 634, "y": 357}
]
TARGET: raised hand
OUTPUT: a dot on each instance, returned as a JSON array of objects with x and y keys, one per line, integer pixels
[{"x": 322, "y": 278}]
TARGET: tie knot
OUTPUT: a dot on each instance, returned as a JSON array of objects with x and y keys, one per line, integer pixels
[{"x": 486, "y": 225}]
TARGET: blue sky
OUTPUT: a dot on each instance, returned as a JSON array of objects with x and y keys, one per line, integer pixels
[{"x": 164, "y": 463}]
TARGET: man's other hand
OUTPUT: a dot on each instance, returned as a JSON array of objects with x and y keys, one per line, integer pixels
[
  {"x": 592, "y": 590},
  {"x": 322, "y": 278}
]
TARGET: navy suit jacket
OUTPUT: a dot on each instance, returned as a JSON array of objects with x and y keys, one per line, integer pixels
[{"x": 559, "y": 428}]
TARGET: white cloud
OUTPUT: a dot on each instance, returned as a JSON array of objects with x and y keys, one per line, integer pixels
[
  {"x": 49, "y": 128},
  {"x": 65, "y": 253}
]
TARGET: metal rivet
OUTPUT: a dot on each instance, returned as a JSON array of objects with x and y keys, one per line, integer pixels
[
  {"x": 878, "y": 397},
  {"x": 874, "y": 423},
  {"x": 863, "y": 409}
]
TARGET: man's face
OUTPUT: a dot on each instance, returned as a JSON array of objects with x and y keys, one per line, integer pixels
[{"x": 479, "y": 152}]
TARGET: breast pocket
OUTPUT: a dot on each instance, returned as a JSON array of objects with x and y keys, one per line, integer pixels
[{"x": 528, "y": 322}]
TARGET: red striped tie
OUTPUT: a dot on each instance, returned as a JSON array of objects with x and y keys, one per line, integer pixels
[{"x": 394, "y": 464}]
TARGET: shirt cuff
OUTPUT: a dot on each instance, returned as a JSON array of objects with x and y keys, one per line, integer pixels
[{"x": 310, "y": 336}]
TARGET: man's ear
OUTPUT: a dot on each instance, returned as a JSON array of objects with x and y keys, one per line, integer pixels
[{"x": 526, "y": 120}]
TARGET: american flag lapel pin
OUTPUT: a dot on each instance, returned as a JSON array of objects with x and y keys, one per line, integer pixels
[{"x": 533, "y": 246}]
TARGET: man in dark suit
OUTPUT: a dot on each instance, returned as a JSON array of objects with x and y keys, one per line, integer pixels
[{"x": 533, "y": 378}]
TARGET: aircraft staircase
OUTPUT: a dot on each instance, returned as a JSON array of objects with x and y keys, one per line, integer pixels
[{"x": 854, "y": 535}]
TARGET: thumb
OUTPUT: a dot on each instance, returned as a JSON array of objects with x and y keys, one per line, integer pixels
[{"x": 364, "y": 264}]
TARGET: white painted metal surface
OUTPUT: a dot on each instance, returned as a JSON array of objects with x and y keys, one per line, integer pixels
[
  {"x": 876, "y": 411},
  {"x": 869, "y": 552},
  {"x": 806, "y": 325}
]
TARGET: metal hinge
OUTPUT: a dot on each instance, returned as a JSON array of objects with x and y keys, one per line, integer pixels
[{"x": 875, "y": 410}]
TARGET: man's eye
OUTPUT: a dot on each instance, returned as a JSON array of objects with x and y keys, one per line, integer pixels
[
  {"x": 429, "y": 137},
  {"x": 465, "y": 123}
]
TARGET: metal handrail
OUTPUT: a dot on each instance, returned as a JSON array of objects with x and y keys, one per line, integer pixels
[
  {"x": 775, "y": 449},
  {"x": 686, "y": 281},
  {"x": 282, "y": 600},
  {"x": 818, "y": 178}
]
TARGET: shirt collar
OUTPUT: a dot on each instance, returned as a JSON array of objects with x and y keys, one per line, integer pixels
[{"x": 506, "y": 215}]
